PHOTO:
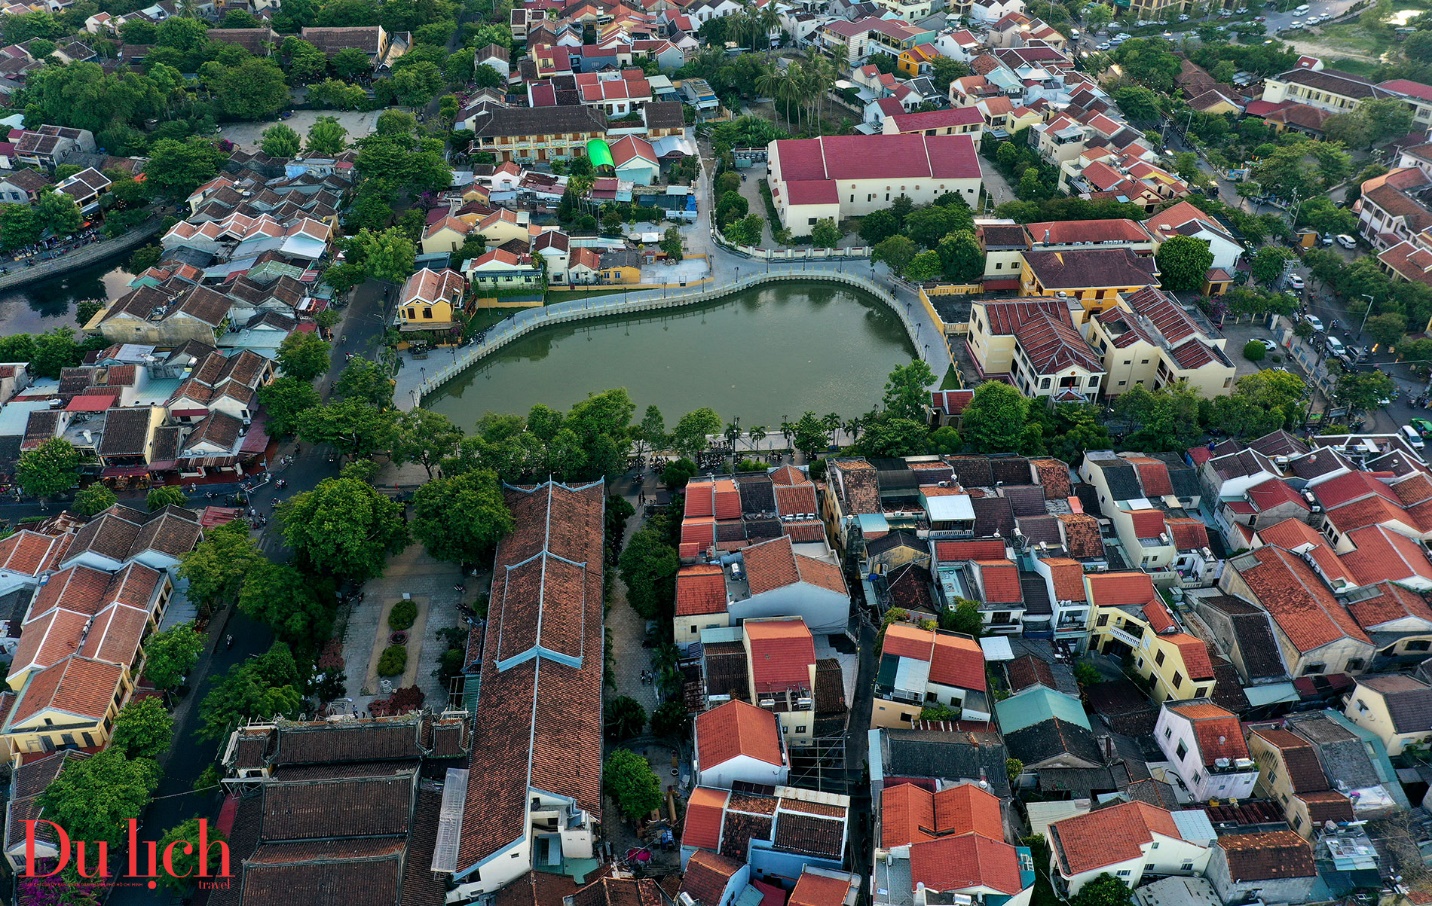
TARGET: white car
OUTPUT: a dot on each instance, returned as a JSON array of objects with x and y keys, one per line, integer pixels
[
  {"x": 1347, "y": 241},
  {"x": 1409, "y": 434},
  {"x": 1266, "y": 344},
  {"x": 1336, "y": 347},
  {"x": 1295, "y": 282},
  {"x": 1103, "y": 45},
  {"x": 1316, "y": 322}
]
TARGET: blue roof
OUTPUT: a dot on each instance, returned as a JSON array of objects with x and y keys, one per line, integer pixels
[{"x": 1035, "y": 705}]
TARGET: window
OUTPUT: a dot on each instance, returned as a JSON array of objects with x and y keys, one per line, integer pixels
[
  {"x": 1355, "y": 663},
  {"x": 693, "y": 630},
  {"x": 1186, "y": 866},
  {"x": 1297, "y": 822},
  {"x": 1180, "y": 750},
  {"x": 1311, "y": 669},
  {"x": 1124, "y": 873},
  {"x": 1417, "y": 645},
  {"x": 1177, "y": 679},
  {"x": 1103, "y": 620},
  {"x": 428, "y": 313},
  {"x": 801, "y": 728},
  {"x": 1148, "y": 866},
  {"x": 1200, "y": 692},
  {"x": 1044, "y": 384},
  {"x": 1159, "y": 658},
  {"x": 1167, "y": 733}
]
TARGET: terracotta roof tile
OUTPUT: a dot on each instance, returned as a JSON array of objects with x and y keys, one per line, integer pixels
[
  {"x": 770, "y": 565},
  {"x": 1054, "y": 477},
  {"x": 1108, "y": 835},
  {"x": 957, "y": 661},
  {"x": 1218, "y": 732},
  {"x": 1117, "y": 589},
  {"x": 1195, "y": 655},
  {"x": 1148, "y": 524},
  {"x": 736, "y": 728},
  {"x": 999, "y": 580},
  {"x": 704, "y": 811},
  {"x": 965, "y": 862},
  {"x": 1267, "y": 857},
  {"x": 1188, "y": 534},
  {"x": 1302, "y": 606},
  {"x": 707, "y": 875},
  {"x": 782, "y": 653},
  {"x": 819, "y": 890},
  {"x": 979, "y": 549},
  {"x": 700, "y": 589},
  {"x": 1081, "y": 536},
  {"x": 1068, "y": 578}
]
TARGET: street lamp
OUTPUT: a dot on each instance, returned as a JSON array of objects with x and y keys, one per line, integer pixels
[{"x": 1364, "y": 315}]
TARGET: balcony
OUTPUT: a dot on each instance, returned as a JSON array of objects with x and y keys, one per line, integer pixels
[{"x": 1121, "y": 635}]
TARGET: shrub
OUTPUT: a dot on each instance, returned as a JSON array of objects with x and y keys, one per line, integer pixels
[
  {"x": 1254, "y": 351},
  {"x": 393, "y": 661},
  {"x": 403, "y": 615}
]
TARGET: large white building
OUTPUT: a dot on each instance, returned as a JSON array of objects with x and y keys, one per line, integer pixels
[{"x": 840, "y": 176}]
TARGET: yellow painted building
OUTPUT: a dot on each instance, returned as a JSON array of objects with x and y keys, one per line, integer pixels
[
  {"x": 1132, "y": 622},
  {"x": 1290, "y": 775},
  {"x": 1093, "y": 277},
  {"x": 911, "y": 60},
  {"x": 430, "y": 300}
]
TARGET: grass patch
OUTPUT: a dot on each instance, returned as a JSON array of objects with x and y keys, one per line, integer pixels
[
  {"x": 1348, "y": 35},
  {"x": 1364, "y": 68},
  {"x": 772, "y": 217},
  {"x": 951, "y": 381}
]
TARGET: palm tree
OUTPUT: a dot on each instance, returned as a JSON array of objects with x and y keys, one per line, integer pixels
[
  {"x": 757, "y": 434},
  {"x": 770, "y": 84},
  {"x": 787, "y": 429},
  {"x": 831, "y": 423},
  {"x": 852, "y": 429},
  {"x": 792, "y": 89},
  {"x": 733, "y": 434}
]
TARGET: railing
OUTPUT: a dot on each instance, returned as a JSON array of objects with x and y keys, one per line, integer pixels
[
  {"x": 528, "y": 320},
  {"x": 1131, "y": 640},
  {"x": 78, "y": 258}
]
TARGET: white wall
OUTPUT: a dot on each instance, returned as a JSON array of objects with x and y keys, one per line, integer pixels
[
  {"x": 745, "y": 768},
  {"x": 1169, "y": 732}
]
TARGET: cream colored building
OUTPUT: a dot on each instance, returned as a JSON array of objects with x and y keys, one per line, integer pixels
[
  {"x": 1397, "y": 707},
  {"x": 1148, "y": 340}
]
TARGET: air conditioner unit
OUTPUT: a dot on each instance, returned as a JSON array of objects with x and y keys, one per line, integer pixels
[{"x": 768, "y": 703}]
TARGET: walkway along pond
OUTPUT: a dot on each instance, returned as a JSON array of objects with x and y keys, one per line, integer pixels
[{"x": 416, "y": 381}]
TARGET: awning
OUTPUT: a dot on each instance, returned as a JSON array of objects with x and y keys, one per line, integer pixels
[
  {"x": 92, "y": 402},
  {"x": 257, "y": 440},
  {"x": 125, "y": 471},
  {"x": 161, "y": 465},
  {"x": 188, "y": 413},
  {"x": 1270, "y": 694}
]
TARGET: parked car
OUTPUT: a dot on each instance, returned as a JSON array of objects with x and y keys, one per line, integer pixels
[
  {"x": 1269, "y": 345},
  {"x": 1102, "y": 45},
  {"x": 1316, "y": 322},
  {"x": 1347, "y": 241},
  {"x": 1413, "y": 438},
  {"x": 1336, "y": 347},
  {"x": 1295, "y": 282}
]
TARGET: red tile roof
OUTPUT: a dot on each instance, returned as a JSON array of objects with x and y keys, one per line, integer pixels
[
  {"x": 1108, "y": 835},
  {"x": 1115, "y": 589},
  {"x": 1394, "y": 602},
  {"x": 1217, "y": 730},
  {"x": 958, "y": 661},
  {"x": 819, "y": 890},
  {"x": 1189, "y": 534},
  {"x": 736, "y": 728},
  {"x": 1297, "y": 536},
  {"x": 782, "y": 653},
  {"x": 1158, "y": 616},
  {"x": 907, "y": 640},
  {"x": 967, "y": 808},
  {"x": 1381, "y": 555},
  {"x": 1302, "y": 606},
  {"x": 76, "y": 685},
  {"x": 705, "y": 810},
  {"x": 983, "y": 549},
  {"x": 1352, "y": 486},
  {"x": 707, "y": 875},
  {"x": 1148, "y": 524},
  {"x": 1064, "y": 232},
  {"x": 999, "y": 580},
  {"x": 700, "y": 589},
  {"x": 1274, "y": 492},
  {"x": 967, "y": 862},
  {"x": 1068, "y": 578},
  {"x": 1153, "y": 476},
  {"x": 904, "y": 810},
  {"x": 1195, "y": 655},
  {"x": 835, "y": 157}
]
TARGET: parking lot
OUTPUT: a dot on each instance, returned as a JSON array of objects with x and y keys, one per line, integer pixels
[{"x": 248, "y": 136}]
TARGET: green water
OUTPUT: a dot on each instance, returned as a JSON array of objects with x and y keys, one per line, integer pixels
[{"x": 763, "y": 356}]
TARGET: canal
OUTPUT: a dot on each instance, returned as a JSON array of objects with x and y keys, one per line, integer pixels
[
  {"x": 44, "y": 306},
  {"x": 765, "y": 355}
]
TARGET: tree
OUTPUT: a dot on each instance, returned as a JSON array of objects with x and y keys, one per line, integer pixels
[
  {"x": 50, "y": 469},
  {"x": 285, "y": 600},
  {"x": 58, "y": 213},
  {"x": 995, "y": 418},
  {"x": 352, "y": 63},
  {"x": 461, "y": 519},
  {"x": 924, "y": 267},
  {"x": 962, "y": 257},
  {"x": 652, "y": 430},
  {"x": 344, "y": 527},
  {"x": 896, "y": 251},
  {"x": 1105, "y": 890},
  {"x": 1253, "y": 351},
  {"x": 964, "y": 617},
  {"x": 306, "y": 63},
  {"x": 691, "y": 435},
  {"x": 20, "y": 226},
  {"x": 93, "y": 799},
  {"x": 217, "y": 566},
  {"x": 677, "y": 473},
  {"x": 1363, "y": 391},
  {"x": 825, "y": 234},
  {"x": 253, "y": 90},
  {"x": 671, "y": 245},
  {"x": 1268, "y": 263},
  {"x": 387, "y": 255},
  {"x": 946, "y": 70},
  {"x": 1138, "y": 103},
  {"x": 671, "y": 720},
  {"x": 424, "y": 437},
  {"x": 907, "y": 390},
  {"x": 94, "y": 499},
  {"x": 416, "y": 85},
  {"x": 166, "y": 495},
  {"x": 337, "y": 95},
  {"x": 648, "y": 568},
  {"x": 261, "y": 687},
  {"x": 280, "y": 141},
  {"x": 1387, "y": 329},
  {"x": 877, "y": 226},
  {"x": 143, "y": 728},
  {"x": 304, "y": 355},
  {"x": 1166, "y": 419},
  {"x": 326, "y": 137},
  {"x": 623, "y": 718},
  {"x": 1097, "y": 15},
  {"x": 187, "y": 858},
  {"x": 1183, "y": 263},
  {"x": 1260, "y": 402},
  {"x": 356, "y": 428},
  {"x": 178, "y": 168},
  {"x": 367, "y": 382},
  {"x": 888, "y": 436},
  {"x": 927, "y": 226},
  {"x": 809, "y": 435},
  {"x": 285, "y": 400},
  {"x": 171, "y": 654},
  {"x": 632, "y": 784}
]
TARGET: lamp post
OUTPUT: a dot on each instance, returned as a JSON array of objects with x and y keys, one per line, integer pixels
[{"x": 1364, "y": 315}]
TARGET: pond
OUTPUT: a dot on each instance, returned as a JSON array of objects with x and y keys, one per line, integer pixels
[{"x": 764, "y": 356}]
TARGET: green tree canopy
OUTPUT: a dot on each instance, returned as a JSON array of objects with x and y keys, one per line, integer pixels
[
  {"x": 187, "y": 862},
  {"x": 262, "y": 687},
  {"x": 280, "y": 141},
  {"x": 461, "y": 519},
  {"x": 143, "y": 729},
  {"x": 354, "y": 427},
  {"x": 387, "y": 255},
  {"x": 288, "y": 602},
  {"x": 1183, "y": 263},
  {"x": 994, "y": 421},
  {"x": 253, "y": 90},
  {"x": 1363, "y": 391},
  {"x": 93, "y": 798},
  {"x": 48, "y": 470},
  {"x": 285, "y": 399},
  {"x": 924, "y": 267},
  {"x": 425, "y": 437},
  {"x": 94, "y": 499},
  {"x": 691, "y": 434},
  {"x": 964, "y": 617},
  {"x": 304, "y": 355},
  {"x": 1268, "y": 262},
  {"x": 907, "y": 390},
  {"x": 631, "y": 783},
  {"x": 1105, "y": 890},
  {"x": 327, "y": 136},
  {"x": 344, "y": 527},
  {"x": 623, "y": 718},
  {"x": 896, "y": 251},
  {"x": 171, "y": 654},
  {"x": 962, "y": 256},
  {"x": 1163, "y": 420},
  {"x": 163, "y": 496},
  {"x": 217, "y": 566}
]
